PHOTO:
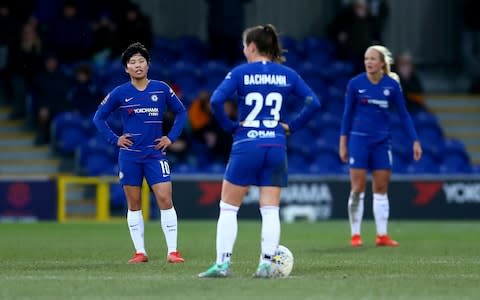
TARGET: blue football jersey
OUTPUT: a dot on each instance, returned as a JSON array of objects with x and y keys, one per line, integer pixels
[
  {"x": 142, "y": 116},
  {"x": 367, "y": 108},
  {"x": 263, "y": 89}
]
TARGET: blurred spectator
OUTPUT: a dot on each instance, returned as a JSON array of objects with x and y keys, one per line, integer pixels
[
  {"x": 9, "y": 30},
  {"x": 354, "y": 29},
  {"x": 379, "y": 10},
  {"x": 225, "y": 26},
  {"x": 104, "y": 36},
  {"x": 410, "y": 82},
  {"x": 24, "y": 61},
  {"x": 205, "y": 129},
  {"x": 70, "y": 35},
  {"x": 50, "y": 92},
  {"x": 471, "y": 42},
  {"x": 133, "y": 26},
  {"x": 84, "y": 95}
]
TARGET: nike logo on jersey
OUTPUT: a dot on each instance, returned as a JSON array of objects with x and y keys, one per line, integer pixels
[
  {"x": 128, "y": 99},
  {"x": 362, "y": 91}
]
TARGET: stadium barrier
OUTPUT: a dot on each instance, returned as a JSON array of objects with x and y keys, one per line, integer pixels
[
  {"x": 28, "y": 199},
  {"x": 315, "y": 198},
  {"x": 311, "y": 198}
]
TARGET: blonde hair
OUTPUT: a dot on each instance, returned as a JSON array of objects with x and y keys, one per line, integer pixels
[{"x": 387, "y": 58}]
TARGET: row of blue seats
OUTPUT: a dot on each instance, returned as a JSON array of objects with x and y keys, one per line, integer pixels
[{"x": 442, "y": 155}]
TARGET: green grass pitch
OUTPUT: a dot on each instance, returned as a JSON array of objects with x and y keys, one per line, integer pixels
[{"x": 87, "y": 260}]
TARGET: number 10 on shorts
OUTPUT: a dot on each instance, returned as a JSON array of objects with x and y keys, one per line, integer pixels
[{"x": 165, "y": 167}]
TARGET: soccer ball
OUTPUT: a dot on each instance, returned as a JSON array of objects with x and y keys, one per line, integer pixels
[{"x": 282, "y": 262}]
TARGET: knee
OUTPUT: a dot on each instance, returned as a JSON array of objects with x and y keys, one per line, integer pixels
[{"x": 164, "y": 202}]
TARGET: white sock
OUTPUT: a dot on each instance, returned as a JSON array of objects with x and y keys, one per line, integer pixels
[
  {"x": 136, "y": 227},
  {"x": 381, "y": 211},
  {"x": 226, "y": 231},
  {"x": 355, "y": 211},
  {"x": 168, "y": 219},
  {"x": 270, "y": 232}
]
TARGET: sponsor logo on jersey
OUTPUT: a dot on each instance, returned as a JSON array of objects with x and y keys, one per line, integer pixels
[
  {"x": 151, "y": 111},
  {"x": 253, "y": 134},
  {"x": 260, "y": 79},
  {"x": 128, "y": 99},
  {"x": 361, "y": 91},
  {"x": 380, "y": 103}
]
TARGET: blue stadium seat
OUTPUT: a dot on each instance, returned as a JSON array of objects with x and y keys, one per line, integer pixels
[
  {"x": 185, "y": 75},
  {"x": 327, "y": 161},
  {"x": 213, "y": 72},
  {"x": 400, "y": 163},
  {"x": 296, "y": 163},
  {"x": 117, "y": 196},
  {"x": 312, "y": 75},
  {"x": 97, "y": 157},
  {"x": 69, "y": 131},
  {"x": 339, "y": 68},
  {"x": 293, "y": 52},
  {"x": 162, "y": 51},
  {"x": 399, "y": 136},
  {"x": 426, "y": 165},
  {"x": 455, "y": 158},
  {"x": 114, "y": 75},
  {"x": 315, "y": 44},
  {"x": 297, "y": 143},
  {"x": 190, "y": 48}
]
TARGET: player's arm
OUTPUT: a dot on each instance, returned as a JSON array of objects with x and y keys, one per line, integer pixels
[
  {"x": 177, "y": 107},
  {"x": 405, "y": 116},
  {"x": 106, "y": 107},
  {"x": 346, "y": 123},
  {"x": 311, "y": 105},
  {"x": 219, "y": 96}
]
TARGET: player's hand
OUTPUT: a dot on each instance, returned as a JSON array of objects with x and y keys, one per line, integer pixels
[
  {"x": 343, "y": 149},
  {"x": 343, "y": 153},
  {"x": 124, "y": 141},
  {"x": 163, "y": 143},
  {"x": 286, "y": 128},
  {"x": 417, "y": 150}
]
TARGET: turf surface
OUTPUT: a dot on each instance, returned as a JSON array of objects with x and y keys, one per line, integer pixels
[{"x": 87, "y": 260}]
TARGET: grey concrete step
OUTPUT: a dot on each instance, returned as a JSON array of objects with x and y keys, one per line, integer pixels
[
  {"x": 40, "y": 166},
  {"x": 25, "y": 152},
  {"x": 11, "y": 126},
  {"x": 459, "y": 116},
  {"x": 4, "y": 112},
  {"x": 9, "y": 139}
]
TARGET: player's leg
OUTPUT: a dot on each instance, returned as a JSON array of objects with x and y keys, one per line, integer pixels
[
  {"x": 157, "y": 173},
  {"x": 270, "y": 232},
  {"x": 274, "y": 176},
  {"x": 240, "y": 172},
  {"x": 358, "y": 179},
  {"x": 131, "y": 177},
  {"x": 381, "y": 164},
  {"x": 358, "y": 162},
  {"x": 227, "y": 227}
]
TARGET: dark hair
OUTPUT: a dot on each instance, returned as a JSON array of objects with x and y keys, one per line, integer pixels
[
  {"x": 135, "y": 48},
  {"x": 266, "y": 39}
]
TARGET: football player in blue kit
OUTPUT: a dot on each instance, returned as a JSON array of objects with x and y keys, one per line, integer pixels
[
  {"x": 365, "y": 141},
  {"x": 142, "y": 103},
  {"x": 258, "y": 156}
]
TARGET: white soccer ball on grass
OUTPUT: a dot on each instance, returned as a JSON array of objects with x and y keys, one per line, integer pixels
[{"x": 282, "y": 262}]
